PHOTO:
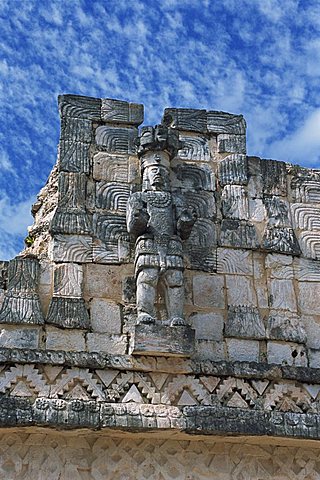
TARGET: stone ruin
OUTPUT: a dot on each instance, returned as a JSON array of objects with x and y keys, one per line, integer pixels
[{"x": 163, "y": 321}]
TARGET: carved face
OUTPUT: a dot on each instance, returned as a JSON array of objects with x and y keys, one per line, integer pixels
[{"x": 158, "y": 177}]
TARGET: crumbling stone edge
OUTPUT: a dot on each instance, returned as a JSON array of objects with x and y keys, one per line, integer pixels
[{"x": 191, "y": 420}]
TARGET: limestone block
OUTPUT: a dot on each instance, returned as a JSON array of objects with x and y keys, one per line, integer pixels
[
  {"x": 115, "y": 168},
  {"x": 208, "y": 291},
  {"x": 281, "y": 266},
  {"x": 242, "y": 350},
  {"x": 223, "y": 122},
  {"x": 281, "y": 239},
  {"x": 193, "y": 177},
  {"x": 71, "y": 248},
  {"x": 233, "y": 170},
  {"x": 68, "y": 340},
  {"x": 21, "y": 303},
  {"x": 116, "y": 139},
  {"x": 162, "y": 340},
  {"x": 244, "y": 322},
  {"x": 45, "y": 288},
  {"x": 3, "y": 274},
  {"x": 118, "y": 111},
  {"x": 274, "y": 176},
  {"x": 260, "y": 281},
  {"x": 305, "y": 186},
  {"x": 239, "y": 234},
  {"x": 76, "y": 130},
  {"x": 308, "y": 297},
  {"x": 240, "y": 291},
  {"x": 105, "y": 316},
  {"x": 24, "y": 337},
  {"x": 194, "y": 148},
  {"x": 306, "y": 270},
  {"x": 257, "y": 210},
  {"x": 105, "y": 281},
  {"x": 74, "y": 156},
  {"x": 80, "y": 107},
  {"x": 229, "y": 143},
  {"x": 112, "y": 196},
  {"x": 235, "y": 261},
  {"x": 311, "y": 325},
  {"x": 234, "y": 202},
  {"x": 282, "y": 295},
  {"x": 105, "y": 343},
  {"x": 282, "y": 353},
  {"x": 68, "y": 312},
  {"x": 314, "y": 358},
  {"x": 186, "y": 119},
  {"x": 285, "y": 326},
  {"x": 208, "y": 326},
  {"x": 68, "y": 280},
  {"x": 209, "y": 350}
]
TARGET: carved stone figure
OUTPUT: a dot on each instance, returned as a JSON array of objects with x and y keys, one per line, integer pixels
[{"x": 159, "y": 225}]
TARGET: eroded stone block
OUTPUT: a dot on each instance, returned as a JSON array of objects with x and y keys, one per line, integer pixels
[
  {"x": 186, "y": 119},
  {"x": 242, "y": 350},
  {"x": 161, "y": 340},
  {"x": 282, "y": 353},
  {"x": 238, "y": 262},
  {"x": 119, "y": 111},
  {"x": 233, "y": 170},
  {"x": 68, "y": 340},
  {"x": 234, "y": 202},
  {"x": 282, "y": 295},
  {"x": 106, "y": 343},
  {"x": 239, "y": 234},
  {"x": 80, "y": 107},
  {"x": 208, "y": 326},
  {"x": 116, "y": 139},
  {"x": 245, "y": 322},
  {"x": 240, "y": 291},
  {"x": 105, "y": 316},
  {"x": 228, "y": 143},
  {"x": 286, "y": 326},
  {"x": 68, "y": 312},
  {"x": 208, "y": 291},
  {"x": 71, "y": 248},
  {"x": 23, "y": 337},
  {"x": 223, "y": 122},
  {"x": 194, "y": 148},
  {"x": 308, "y": 297}
]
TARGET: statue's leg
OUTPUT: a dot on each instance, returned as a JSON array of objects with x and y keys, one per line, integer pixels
[
  {"x": 174, "y": 296},
  {"x": 147, "y": 281}
]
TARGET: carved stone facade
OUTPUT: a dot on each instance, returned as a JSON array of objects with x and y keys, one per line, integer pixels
[{"x": 169, "y": 286}]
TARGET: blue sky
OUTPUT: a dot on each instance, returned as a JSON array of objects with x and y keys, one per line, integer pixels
[{"x": 256, "y": 57}]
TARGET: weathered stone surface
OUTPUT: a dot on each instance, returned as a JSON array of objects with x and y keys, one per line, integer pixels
[
  {"x": 240, "y": 291},
  {"x": 25, "y": 337},
  {"x": 223, "y": 122},
  {"x": 274, "y": 177},
  {"x": 71, "y": 248},
  {"x": 281, "y": 266},
  {"x": 116, "y": 139},
  {"x": 71, "y": 216},
  {"x": 281, "y": 239},
  {"x": 186, "y": 119},
  {"x": 208, "y": 291},
  {"x": 80, "y": 107},
  {"x": 66, "y": 340},
  {"x": 105, "y": 317},
  {"x": 235, "y": 233},
  {"x": 74, "y": 156},
  {"x": 195, "y": 148},
  {"x": 162, "y": 340},
  {"x": 115, "y": 168},
  {"x": 308, "y": 297},
  {"x": 4, "y": 274},
  {"x": 242, "y": 350},
  {"x": 305, "y": 186},
  {"x": 286, "y": 354},
  {"x": 107, "y": 343},
  {"x": 118, "y": 111},
  {"x": 112, "y": 196},
  {"x": 234, "y": 202},
  {"x": 244, "y": 322},
  {"x": 232, "y": 143},
  {"x": 285, "y": 326},
  {"x": 306, "y": 270},
  {"x": 208, "y": 326},
  {"x": 68, "y": 312},
  {"x": 209, "y": 350},
  {"x": 21, "y": 302},
  {"x": 238, "y": 262},
  {"x": 282, "y": 295},
  {"x": 233, "y": 170},
  {"x": 194, "y": 177}
]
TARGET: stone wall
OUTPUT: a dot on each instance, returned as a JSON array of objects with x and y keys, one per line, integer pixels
[
  {"x": 248, "y": 360},
  {"x": 51, "y": 456}
]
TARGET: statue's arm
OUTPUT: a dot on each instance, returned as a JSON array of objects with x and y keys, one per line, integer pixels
[{"x": 137, "y": 215}]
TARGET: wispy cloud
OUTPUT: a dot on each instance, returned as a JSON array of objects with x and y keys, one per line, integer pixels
[{"x": 257, "y": 58}]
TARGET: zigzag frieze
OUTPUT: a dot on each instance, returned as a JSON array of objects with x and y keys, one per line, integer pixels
[{"x": 121, "y": 387}]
